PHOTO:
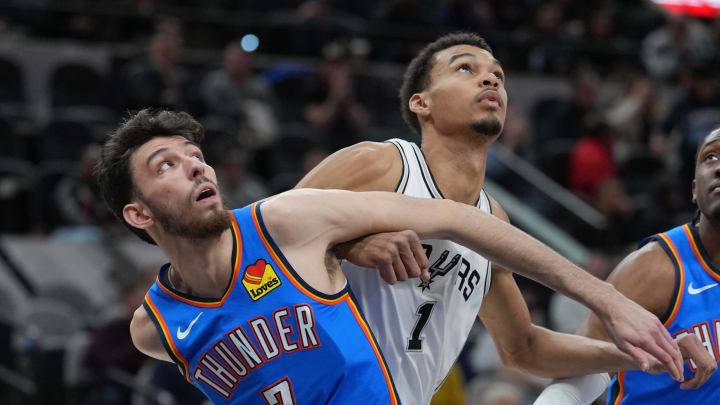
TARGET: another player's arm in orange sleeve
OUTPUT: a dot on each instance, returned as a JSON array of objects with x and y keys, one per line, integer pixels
[
  {"x": 145, "y": 337},
  {"x": 366, "y": 166},
  {"x": 531, "y": 348}
]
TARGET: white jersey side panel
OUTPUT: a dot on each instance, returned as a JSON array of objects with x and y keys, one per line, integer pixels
[{"x": 421, "y": 327}]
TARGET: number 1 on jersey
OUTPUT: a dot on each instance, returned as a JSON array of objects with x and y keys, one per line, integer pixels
[{"x": 423, "y": 312}]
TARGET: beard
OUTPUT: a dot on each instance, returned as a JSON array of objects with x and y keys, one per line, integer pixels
[
  {"x": 182, "y": 223},
  {"x": 487, "y": 126}
]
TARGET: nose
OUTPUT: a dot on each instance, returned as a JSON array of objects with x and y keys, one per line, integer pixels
[
  {"x": 491, "y": 80},
  {"x": 195, "y": 168}
]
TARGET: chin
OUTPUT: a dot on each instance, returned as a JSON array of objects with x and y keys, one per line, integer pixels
[{"x": 488, "y": 126}]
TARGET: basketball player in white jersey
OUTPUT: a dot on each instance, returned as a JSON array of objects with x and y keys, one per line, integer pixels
[{"x": 453, "y": 95}]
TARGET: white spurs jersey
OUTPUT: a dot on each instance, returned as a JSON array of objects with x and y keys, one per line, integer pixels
[{"x": 420, "y": 326}]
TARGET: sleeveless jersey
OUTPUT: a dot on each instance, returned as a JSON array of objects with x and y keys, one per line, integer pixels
[
  {"x": 694, "y": 310},
  {"x": 422, "y": 326},
  {"x": 271, "y": 338}
]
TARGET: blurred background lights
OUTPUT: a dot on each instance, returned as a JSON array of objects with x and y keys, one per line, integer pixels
[{"x": 250, "y": 42}]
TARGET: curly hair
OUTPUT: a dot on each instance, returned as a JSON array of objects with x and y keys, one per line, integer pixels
[
  {"x": 113, "y": 169},
  {"x": 417, "y": 75}
]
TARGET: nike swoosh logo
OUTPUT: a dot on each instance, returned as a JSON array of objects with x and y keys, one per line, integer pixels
[
  {"x": 183, "y": 334},
  {"x": 694, "y": 291}
]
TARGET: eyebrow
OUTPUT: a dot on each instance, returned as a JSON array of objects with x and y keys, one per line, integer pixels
[
  {"x": 460, "y": 55},
  {"x": 161, "y": 150}
]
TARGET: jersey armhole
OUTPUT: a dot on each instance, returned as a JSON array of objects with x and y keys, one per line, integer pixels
[{"x": 676, "y": 296}]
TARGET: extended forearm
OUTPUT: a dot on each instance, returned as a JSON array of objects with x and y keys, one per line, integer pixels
[
  {"x": 523, "y": 254},
  {"x": 558, "y": 355}
]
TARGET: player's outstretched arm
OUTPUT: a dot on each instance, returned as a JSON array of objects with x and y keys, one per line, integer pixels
[
  {"x": 647, "y": 276},
  {"x": 653, "y": 292},
  {"x": 332, "y": 217},
  {"x": 371, "y": 166},
  {"x": 537, "y": 350}
]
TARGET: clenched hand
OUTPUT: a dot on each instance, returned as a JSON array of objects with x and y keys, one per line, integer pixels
[{"x": 396, "y": 255}]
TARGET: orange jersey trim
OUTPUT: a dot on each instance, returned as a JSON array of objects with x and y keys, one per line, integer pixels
[
  {"x": 621, "y": 391},
  {"x": 233, "y": 279},
  {"x": 167, "y": 336},
  {"x": 681, "y": 285},
  {"x": 280, "y": 263},
  {"x": 376, "y": 350},
  {"x": 698, "y": 256}
]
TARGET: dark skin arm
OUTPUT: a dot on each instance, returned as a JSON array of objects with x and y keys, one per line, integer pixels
[{"x": 647, "y": 276}]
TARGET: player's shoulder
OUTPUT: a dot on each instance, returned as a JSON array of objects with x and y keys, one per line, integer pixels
[
  {"x": 651, "y": 256},
  {"x": 497, "y": 209},
  {"x": 646, "y": 276},
  {"x": 145, "y": 337},
  {"x": 364, "y": 166}
]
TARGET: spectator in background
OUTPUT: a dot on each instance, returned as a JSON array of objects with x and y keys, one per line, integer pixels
[
  {"x": 158, "y": 80},
  {"x": 693, "y": 116},
  {"x": 111, "y": 349},
  {"x": 239, "y": 186},
  {"x": 77, "y": 196},
  {"x": 333, "y": 111},
  {"x": 666, "y": 50},
  {"x": 235, "y": 91},
  {"x": 594, "y": 177},
  {"x": 634, "y": 117}
]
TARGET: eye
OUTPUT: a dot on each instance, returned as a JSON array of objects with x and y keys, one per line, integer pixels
[
  {"x": 199, "y": 157},
  {"x": 500, "y": 76},
  {"x": 464, "y": 68},
  {"x": 710, "y": 156},
  {"x": 164, "y": 166}
]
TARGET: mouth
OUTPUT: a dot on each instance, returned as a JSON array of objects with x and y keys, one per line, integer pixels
[
  {"x": 205, "y": 193},
  {"x": 490, "y": 98}
]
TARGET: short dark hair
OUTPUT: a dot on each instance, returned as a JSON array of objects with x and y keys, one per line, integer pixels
[
  {"x": 417, "y": 75},
  {"x": 113, "y": 169}
]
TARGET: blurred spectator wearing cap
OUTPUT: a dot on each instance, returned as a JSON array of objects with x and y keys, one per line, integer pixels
[
  {"x": 332, "y": 109},
  {"x": 235, "y": 91},
  {"x": 158, "y": 80}
]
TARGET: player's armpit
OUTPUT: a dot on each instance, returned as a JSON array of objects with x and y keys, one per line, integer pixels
[
  {"x": 145, "y": 337},
  {"x": 366, "y": 166}
]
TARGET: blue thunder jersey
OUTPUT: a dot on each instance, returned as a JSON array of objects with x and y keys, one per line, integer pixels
[
  {"x": 271, "y": 338},
  {"x": 694, "y": 309}
]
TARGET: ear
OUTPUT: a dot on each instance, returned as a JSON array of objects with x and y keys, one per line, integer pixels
[
  {"x": 419, "y": 104},
  {"x": 694, "y": 196},
  {"x": 137, "y": 215}
]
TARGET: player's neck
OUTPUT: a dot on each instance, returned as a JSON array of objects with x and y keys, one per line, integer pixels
[
  {"x": 457, "y": 164},
  {"x": 709, "y": 232},
  {"x": 200, "y": 268}
]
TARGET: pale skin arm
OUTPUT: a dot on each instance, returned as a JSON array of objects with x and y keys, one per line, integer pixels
[
  {"x": 338, "y": 216},
  {"x": 533, "y": 349},
  {"x": 647, "y": 276},
  {"x": 372, "y": 166},
  {"x": 145, "y": 337}
]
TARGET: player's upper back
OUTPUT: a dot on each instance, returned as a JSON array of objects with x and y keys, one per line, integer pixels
[{"x": 271, "y": 337}]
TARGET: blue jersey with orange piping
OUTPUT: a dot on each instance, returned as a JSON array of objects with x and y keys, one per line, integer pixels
[
  {"x": 694, "y": 309},
  {"x": 271, "y": 338}
]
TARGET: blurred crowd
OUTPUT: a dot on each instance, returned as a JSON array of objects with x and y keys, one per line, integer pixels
[{"x": 630, "y": 91}]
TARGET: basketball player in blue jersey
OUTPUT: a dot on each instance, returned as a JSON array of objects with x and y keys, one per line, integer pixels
[
  {"x": 453, "y": 95},
  {"x": 253, "y": 307},
  {"x": 674, "y": 275}
]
